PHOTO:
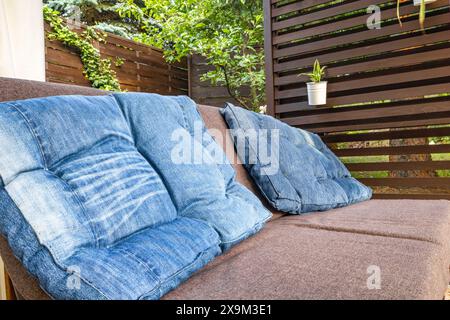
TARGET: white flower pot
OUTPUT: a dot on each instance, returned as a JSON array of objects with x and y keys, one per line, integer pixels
[
  {"x": 418, "y": 2},
  {"x": 317, "y": 93}
]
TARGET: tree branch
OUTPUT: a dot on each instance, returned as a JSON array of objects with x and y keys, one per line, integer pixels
[{"x": 228, "y": 86}]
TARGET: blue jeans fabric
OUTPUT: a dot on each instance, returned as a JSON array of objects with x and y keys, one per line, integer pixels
[
  {"x": 89, "y": 210},
  {"x": 204, "y": 186},
  {"x": 308, "y": 176}
]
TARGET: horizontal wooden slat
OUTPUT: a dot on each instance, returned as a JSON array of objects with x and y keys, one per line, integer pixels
[
  {"x": 323, "y": 14},
  {"x": 405, "y": 59},
  {"x": 381, "y": 151},
  {"x": 390, "y": 13},
  {"x": 407, "y": 182},
  {"x": 360, "y": 36},
  {"x": 369, "y": 82},
  {"x": 341, "y": 114},
  {"x": 395, "y": 94},
  {"x": 427, "y": 196},
  {"x": 444, "y": 118},
  {"x": 420, "y": 91},
  {"x": 388, "y": 135},
  {"x": 296, "y": 6},
  {"x": 392, "y": 166},
  {"x": 352, "y": 53}
]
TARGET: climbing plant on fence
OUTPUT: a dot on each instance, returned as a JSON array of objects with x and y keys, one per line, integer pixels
[
  {"x": 96, "y": 69},
  {"x": 228, "y": 33}
]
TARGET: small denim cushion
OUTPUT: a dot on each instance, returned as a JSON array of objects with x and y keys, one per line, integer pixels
[
  {"x": 293, "y": 168},
  {"x": 171, "y": 135},
  {"x": 84, "y": 211}
]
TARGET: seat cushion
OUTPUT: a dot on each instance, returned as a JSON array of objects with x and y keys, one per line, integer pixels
[
  {"x": 293, "y": 168},
  {"x": 78, "y": 179},
  {"x": 76, "y": 187},
  {"x": 291, "y": 260},
  {"x": 419, "y": 220},
  {"x": 145, "y": 265},
  {"x": 194, "y": 167}
]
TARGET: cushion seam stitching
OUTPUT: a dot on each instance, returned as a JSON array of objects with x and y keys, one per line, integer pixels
[
  {"x": 168, "y": 279},
  {"x": 77, "y": 198},
  {"x": 33, "y": 133},
  {"x": 58, "y": 264}
]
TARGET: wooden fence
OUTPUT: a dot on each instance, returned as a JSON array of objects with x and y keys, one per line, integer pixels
[
  {"x": 144, "y": 68},
  {"x": 388, "y": 88},
  {"x": 204, "y": 92}
]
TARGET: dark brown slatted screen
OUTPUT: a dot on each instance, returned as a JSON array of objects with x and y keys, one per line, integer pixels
[{"x": 388, "y": 112}]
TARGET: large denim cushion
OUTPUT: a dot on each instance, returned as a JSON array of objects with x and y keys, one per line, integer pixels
[
  {"x": 302, "y": 175},
  {"x": 171, "y": 135},
  {"x": 79, "y": 199}
]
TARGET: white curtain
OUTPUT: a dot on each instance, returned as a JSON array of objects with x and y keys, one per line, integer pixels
[
  {"x": 22, "y": 51},
  {"x": 22, "y": 45}
]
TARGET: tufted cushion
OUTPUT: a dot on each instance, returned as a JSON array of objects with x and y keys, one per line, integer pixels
[
  {"x": 293, "y": 168},
  {"x": 195, "y": 169},
  {"x": 98, "y": 219}
]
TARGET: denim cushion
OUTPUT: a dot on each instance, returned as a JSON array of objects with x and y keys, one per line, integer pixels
[
  {"x": 293, "y": 168},
  {"x": 194, "y": 167},
  {"x": 89, "y": 205}
]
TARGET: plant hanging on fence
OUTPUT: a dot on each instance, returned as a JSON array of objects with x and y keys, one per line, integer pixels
[
  {"x": 97, "y": 70},
  {"x": 422, "y": 12}
]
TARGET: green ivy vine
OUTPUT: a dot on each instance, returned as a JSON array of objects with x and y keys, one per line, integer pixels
[{"x": 97, "y": 70}]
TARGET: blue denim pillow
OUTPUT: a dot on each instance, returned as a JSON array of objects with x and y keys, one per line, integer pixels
[
  {"x": 171, "y": 135},
  {"x": 84, "y": 211},
  {"x": 293, "y": 168}
]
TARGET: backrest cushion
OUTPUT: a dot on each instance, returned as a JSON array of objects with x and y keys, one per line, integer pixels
[
  {"x": 170, "y": 134},
  {"x": 77, "y": 177},
  {"x": 293, "y": 168},
  {"x": 218, "y": 129},
  {"x": 84, "y": 211}
]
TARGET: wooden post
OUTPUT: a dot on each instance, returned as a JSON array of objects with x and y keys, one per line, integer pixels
[
  {"x": 268, "y": 49},
  {"x": 6, "y": 286},
  {"x": 2, "y": 281},
  {"x": 10, "y": 293}
]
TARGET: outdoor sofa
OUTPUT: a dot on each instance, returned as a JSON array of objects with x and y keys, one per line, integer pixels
[{"x": 377, "y": 249}]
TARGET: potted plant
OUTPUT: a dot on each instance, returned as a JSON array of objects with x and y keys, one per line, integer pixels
[
  {"x": 317, "y": 89},
  {"x": 422, "y": 11}
]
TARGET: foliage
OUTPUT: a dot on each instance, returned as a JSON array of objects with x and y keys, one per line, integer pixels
[
  {"x": 99, "y": 13},
  {"x": 228, "y": 33},
  {"x": 97, "y": 70},
  {"x": 317, "y": 73}
]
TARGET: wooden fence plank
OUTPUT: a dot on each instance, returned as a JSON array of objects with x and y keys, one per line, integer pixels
[
  {"x": 382, "y": 151},
  {"x": 388, "y": 135},
  {"x": 405, "y": 165},
  {"x": 407, "y": 182},
  {"x": 427, "y": 196},
  {"x": 144, "y": 68},
  {"x": 355, "y": 113}
]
